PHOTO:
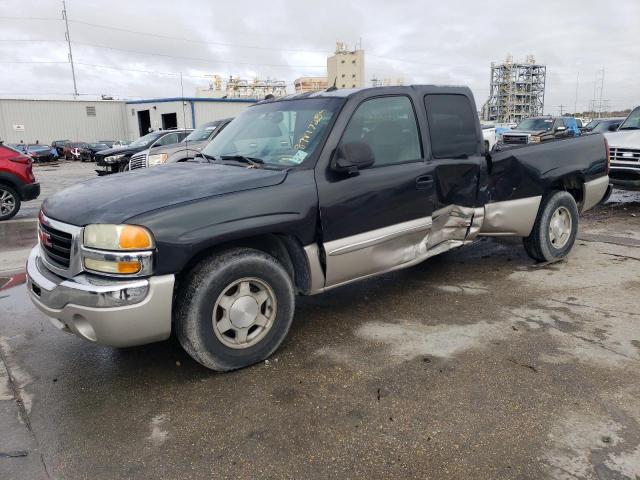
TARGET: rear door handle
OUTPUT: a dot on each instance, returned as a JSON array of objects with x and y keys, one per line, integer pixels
[{"x": 424, "y": 182}]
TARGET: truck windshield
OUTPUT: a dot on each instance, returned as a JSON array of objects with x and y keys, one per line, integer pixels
[
  {"x": 592, "y": 124},
  {"x": 200, "y": 134},
  {"x": 632, "y": 122},
  {"x": 146, "y": 140},
  {"x": 535, "y": 124},
  {"x": 281, "y": 133}
]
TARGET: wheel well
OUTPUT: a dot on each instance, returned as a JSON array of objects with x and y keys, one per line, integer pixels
[
  {"x": 284, "y": 248},
  {"x": 573, "y": 185},
  {"x": 9, "y": 183}
]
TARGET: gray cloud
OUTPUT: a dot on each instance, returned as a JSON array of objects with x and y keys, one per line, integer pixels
[{"x": 421, "y": 41}]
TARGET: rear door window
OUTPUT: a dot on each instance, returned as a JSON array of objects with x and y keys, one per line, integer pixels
[{"x": 452, "y": 125}]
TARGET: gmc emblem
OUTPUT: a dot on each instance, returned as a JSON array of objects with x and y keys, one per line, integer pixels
[{"x": 45, "y": 238}]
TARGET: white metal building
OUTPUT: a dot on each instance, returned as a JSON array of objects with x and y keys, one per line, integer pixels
[
  {"x": 91, "y": 121},
  {"x": 49, "y": 120},
  {"x": 187, "y": 112}
]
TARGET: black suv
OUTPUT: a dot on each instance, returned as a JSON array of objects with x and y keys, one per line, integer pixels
[{"x": 113, "y": 160}]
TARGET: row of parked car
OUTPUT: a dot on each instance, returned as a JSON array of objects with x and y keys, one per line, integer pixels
[
  {"x": 622, "y": 134},
  {"x": 83, "y": 151},
  {"x": 543, "y": 129},
  {"x": 158, "y": 148}
]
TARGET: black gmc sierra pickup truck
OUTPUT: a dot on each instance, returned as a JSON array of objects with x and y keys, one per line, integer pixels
[{"x": 297, "y": 195}]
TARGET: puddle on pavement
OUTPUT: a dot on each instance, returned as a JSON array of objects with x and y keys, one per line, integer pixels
[
  {"x": 12, "y": 280},
  {"x": 623, "y": 196}
]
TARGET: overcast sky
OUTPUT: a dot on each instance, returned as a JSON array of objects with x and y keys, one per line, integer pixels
[{"x": 442, "y": 42}]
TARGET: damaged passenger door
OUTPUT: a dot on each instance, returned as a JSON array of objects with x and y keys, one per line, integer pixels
[
  {"x": 375, "y": 218},
  {"x": 458, "y": 160}
]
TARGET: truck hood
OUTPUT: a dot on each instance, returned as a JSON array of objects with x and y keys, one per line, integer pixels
[
  {"x": 624, "y": 139},
  {"x": 116, "y": 198}
]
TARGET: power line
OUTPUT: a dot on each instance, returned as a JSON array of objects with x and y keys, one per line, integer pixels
[
  {"x": 16, "y": 62},
  {"x": 226, "y": 44},
  {"x": 202, "y": 42},
  {"x": 202, "y": 59},
  {"x": 30, "y": 18},
  {"x": 35, "y": 40}
]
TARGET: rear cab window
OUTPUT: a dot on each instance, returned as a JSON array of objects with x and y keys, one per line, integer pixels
[{"x": 452, "y": 126}]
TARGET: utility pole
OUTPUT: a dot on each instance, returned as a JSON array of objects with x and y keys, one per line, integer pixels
[
  {"x": 561, "y": 106},
  {"x": 575, "y": 103},
  {"x": 601, "y": 89},
  {"x": 68, "y": 37}
]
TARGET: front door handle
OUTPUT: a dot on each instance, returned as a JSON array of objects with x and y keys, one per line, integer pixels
[{"x": 424, "y": 182}]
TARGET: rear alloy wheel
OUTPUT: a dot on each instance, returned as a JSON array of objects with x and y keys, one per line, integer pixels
[
  {"x": 9, "y": 202},
  {"x": 234, "y": 309},
  {"x": 555, "y": 229}
]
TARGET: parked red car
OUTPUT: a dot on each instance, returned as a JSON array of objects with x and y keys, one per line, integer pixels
[
  {"x": 17, "y": 183},
  {"x": 73, "y": 150}
]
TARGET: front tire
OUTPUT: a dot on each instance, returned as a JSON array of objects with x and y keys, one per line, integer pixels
[
  {"x": 235, "y": 309},
  {"x": 555, "y": 229},
  {"x": 9, "y": 202}
]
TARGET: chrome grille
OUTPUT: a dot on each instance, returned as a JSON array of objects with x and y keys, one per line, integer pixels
[
  {"x": 59, "y": 246},
  {"x": 515, "y": 139},
  {"x": 625, "y": 156},
  {"x": 138, "y": 161},
  {"x": 56, "y": 245}
]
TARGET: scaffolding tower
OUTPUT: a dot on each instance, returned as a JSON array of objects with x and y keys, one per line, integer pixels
[{"x": 516, "y": 91}]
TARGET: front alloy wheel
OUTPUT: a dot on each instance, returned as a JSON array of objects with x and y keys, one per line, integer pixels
[
  {"x": 234, "y": 308},
  {"x": 244, "y": 313}
]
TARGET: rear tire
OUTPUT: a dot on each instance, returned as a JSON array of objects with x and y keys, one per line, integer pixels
[
  {"x": 9, "y": 202},
  {"x": 555, "y": 229},
  {"x": 235, "y": 309}
]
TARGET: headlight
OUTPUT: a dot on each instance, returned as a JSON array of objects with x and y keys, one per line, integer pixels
[
  {"x": 113, "y": 158},
  {"x": 117, "y": 237},
  {"x": 158, "y": 159},
  {"x": 117, "y": 249},
  {"x": 534, "y": 139}
]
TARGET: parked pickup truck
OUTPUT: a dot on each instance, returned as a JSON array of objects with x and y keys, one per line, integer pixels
[
  {"x": 541, "y": 129},
  {"x": 625, "y": 152},
  {"x": 296, "y": 195}
]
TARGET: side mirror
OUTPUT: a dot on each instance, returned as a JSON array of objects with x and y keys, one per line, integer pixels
[
  {"x": 351, "y": 157},
  {"x": 613, "y": 127}
]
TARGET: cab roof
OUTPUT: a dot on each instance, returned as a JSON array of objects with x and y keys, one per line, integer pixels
[{"x": 349, "y": 92}]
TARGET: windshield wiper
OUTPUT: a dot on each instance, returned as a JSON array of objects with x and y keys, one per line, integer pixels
[
  {"x": 208, "y": 158},
  {"x": 244, "y": 159},
  {"x": 629, "y": 128}
]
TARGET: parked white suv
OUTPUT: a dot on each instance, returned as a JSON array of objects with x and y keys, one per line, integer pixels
[{"x": 624, "y": 149}]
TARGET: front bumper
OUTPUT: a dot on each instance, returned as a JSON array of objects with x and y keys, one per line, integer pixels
[
  {"x": 29, "y": 191},
  {"x": 117, "y": 313},
  {"x": 625, "y": 178}
]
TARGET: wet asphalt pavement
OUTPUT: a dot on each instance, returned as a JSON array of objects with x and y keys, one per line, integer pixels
[{"x": 477, "y": 363}]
